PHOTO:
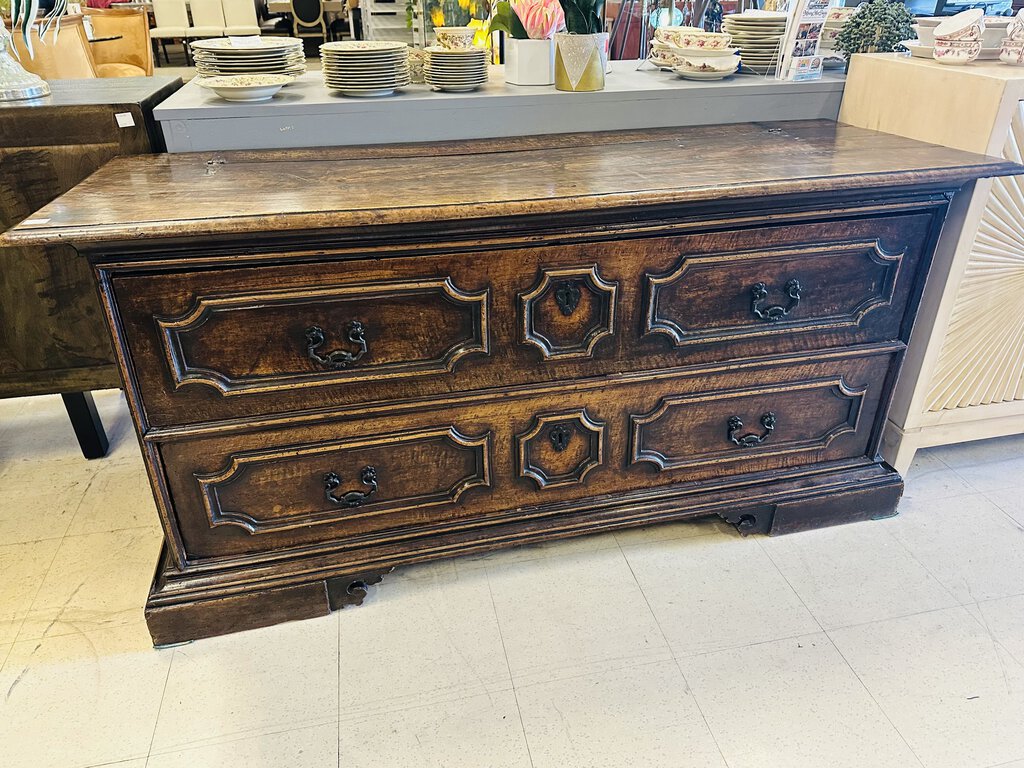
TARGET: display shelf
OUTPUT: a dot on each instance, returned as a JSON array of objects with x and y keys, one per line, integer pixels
[{"x": 305, "y": 114}]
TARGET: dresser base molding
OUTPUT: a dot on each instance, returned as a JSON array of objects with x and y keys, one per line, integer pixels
[{"x": 204, "y": 602}]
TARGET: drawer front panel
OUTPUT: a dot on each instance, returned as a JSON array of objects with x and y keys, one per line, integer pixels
[
  {"x": 795, "y": 417},
  {"x": 235, "y": 343},
  {"x": 333, "y": 482},
  {"x": 273, "y": 340},
  {"x": 465, "y": 462},
  {"x": 771, "y": 291}
]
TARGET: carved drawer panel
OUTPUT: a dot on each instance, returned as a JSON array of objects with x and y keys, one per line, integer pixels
[
  {"x": 464, "y": 460},
  {"x": 272, "y": 340},
  {"x": 761, "y": 292},
  {"x": 245, "y": 341},
  {"x": 728, "y": 427}
]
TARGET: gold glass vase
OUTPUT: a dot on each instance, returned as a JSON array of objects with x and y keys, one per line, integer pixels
[{"x": 579, "y": 62}]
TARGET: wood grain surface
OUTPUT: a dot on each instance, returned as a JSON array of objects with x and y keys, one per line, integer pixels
[{"x": 224, "y": 194}]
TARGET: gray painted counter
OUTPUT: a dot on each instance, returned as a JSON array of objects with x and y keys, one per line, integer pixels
[{"x": 305, "y": 114}]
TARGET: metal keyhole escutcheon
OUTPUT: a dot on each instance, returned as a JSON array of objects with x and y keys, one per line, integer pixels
[{"x": 560, "y": 435}]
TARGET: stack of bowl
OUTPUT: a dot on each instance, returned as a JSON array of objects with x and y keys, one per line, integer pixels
[
  {"x": 692, "y": 53},
  {"x": 994, "y": 29},
  {"x": 758, "y": 34},
  {"x": 1012, "y": 47},
  {"x": 958, "y": 38}
]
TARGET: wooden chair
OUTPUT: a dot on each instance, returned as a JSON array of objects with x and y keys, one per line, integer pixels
[
  {"x": 240, "y": 17},
  {"x": 132, "y": 54},
  {"x": 64, "y": 57},
  {"x": 171, "y": 24},
  {"x": 308, "y": 19}
]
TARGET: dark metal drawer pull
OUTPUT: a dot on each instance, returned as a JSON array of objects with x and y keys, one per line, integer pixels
[
  {"x": 351, "y": 498},
  {"x": 749, "y": 441},
  {"x": 339, "y": 358},
  {"x": 775, "y": 312}
]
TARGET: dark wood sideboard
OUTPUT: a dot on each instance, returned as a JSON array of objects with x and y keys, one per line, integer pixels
[
  {"x": 339, "y": 361},
  {"x": 52, "y": 334}
]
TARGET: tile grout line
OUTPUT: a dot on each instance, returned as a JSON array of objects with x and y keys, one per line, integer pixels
[
  {"x": 874, "y": 700},
  {"x": 675, "y": 660},
  {"x": 160, "y": 709},
  {"x": 999, "y": 506},
  {"x": 843, "y": 657},
  {"x": 508, "y": 666}
]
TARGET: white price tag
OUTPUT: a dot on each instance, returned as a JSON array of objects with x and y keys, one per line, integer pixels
[
  {"x": 251, "y": 41},
  {"x": 124, "y": 120}
]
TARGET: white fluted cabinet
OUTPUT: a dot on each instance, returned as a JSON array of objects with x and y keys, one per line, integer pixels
[{"x": 964, "y": 374}]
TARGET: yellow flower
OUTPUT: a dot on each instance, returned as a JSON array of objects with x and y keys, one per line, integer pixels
[
  {"x": 464, "y": 5},
  {"x": 437, "y": 17},
  {"x": 480, "y": 38}
]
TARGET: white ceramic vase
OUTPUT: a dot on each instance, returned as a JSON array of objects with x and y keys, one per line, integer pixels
[{"x": 529, "y": 62}]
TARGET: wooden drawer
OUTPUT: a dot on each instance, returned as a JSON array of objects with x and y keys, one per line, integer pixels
[
  {"x": 235, "y": 343},
  {"x": 465, "y": 461}
]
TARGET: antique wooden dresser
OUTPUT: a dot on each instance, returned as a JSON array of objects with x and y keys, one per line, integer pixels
[{"x": 340, "y": 361}]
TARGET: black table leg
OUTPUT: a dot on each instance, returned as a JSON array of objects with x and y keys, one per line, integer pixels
[{"x": 87, "y": 424}]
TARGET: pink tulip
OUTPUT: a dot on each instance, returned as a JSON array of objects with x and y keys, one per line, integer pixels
[{"x": 540, "y": 18}]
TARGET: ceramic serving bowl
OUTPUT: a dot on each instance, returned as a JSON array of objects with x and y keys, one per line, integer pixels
[
  {"x": 966, "y": 25},
  {"x": 956, "y": 51},
  {"x": 245, "y": 87},
  {"x": 1012, "y": 52},
  {"x": 693, "y": 37},
  {"x": 662, "y": 48},
  {"x": 455, "y": 37},
  {"x": 710, "y": 63}
]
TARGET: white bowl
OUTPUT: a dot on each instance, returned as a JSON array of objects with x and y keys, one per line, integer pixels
[
  {"x": 709, "y": 63},
  {"x": 956, "y": 52},
  {"x": 926, "y": 35},
  {"x": 966, "y": 25},
  {"x": 245, "y": 87}
]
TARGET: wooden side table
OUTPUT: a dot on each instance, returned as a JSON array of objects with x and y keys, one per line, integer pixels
[{"x": 53, "y": 338}]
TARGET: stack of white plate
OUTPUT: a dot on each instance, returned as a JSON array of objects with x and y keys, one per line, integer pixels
[
  {"x": 758, "y": 35},
  {"x": 456, "y": 70},
  {"x": 274, "y": 56},
  {"x": 365, "y": 67}
]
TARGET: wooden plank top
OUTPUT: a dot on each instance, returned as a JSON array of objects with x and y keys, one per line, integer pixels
[
  {"x": 239, "y": 193},
  {"x": 99, "y": 91}
]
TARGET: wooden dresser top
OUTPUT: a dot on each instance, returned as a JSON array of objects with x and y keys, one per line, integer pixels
[{"x": 241, "y": 193}]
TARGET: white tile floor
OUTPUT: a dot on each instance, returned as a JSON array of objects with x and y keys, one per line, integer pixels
[{"x": 894, "y": 643}]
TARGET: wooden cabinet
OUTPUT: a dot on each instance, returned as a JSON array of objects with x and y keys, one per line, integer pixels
[
  {"x": 52, "y": 334},
  {"x": 964, "y": 375},
  {"x": 325, "y": 392}
]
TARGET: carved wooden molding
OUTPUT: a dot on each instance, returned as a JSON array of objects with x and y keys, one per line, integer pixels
[
  {"x": 214, "y": 486},
  {"x": 878, "y": 294},
  {"x": 204, "y": 313},
  {"x": 562, "y": 292},
  {"x": 723, "y": 451},
  {"x": 982, "y": 356},
  {"x": 561, "y": 432}
]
